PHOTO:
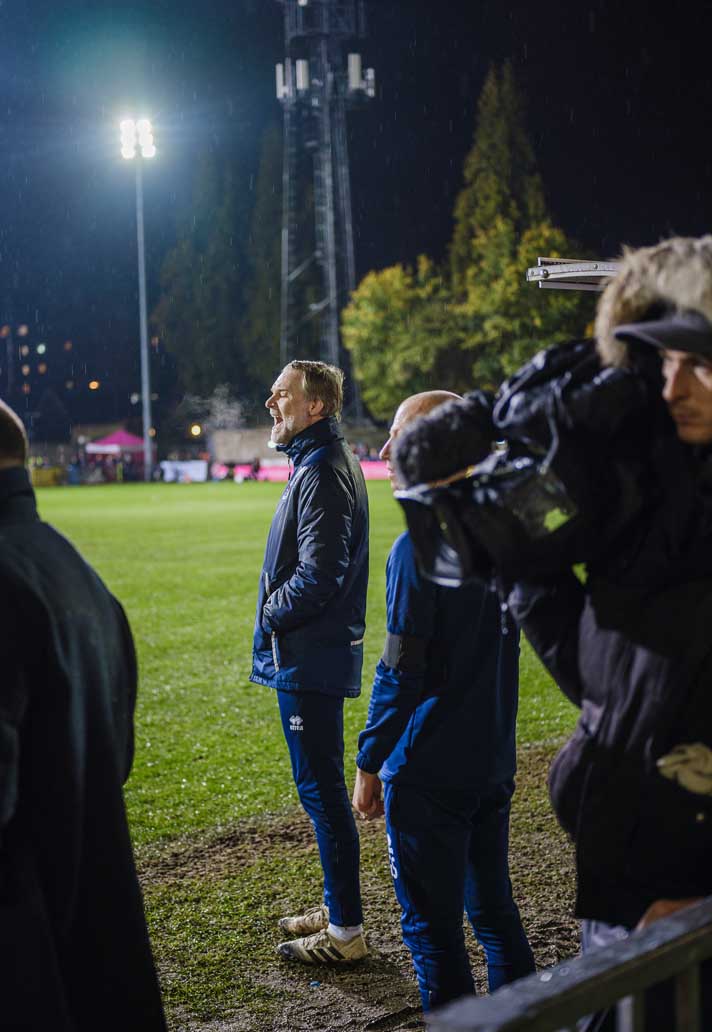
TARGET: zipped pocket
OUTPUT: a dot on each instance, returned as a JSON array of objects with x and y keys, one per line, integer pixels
[{"x": 275, "y": 657}]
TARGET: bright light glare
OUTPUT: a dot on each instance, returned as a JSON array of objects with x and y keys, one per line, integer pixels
[
  {"x": 137, "y": 136},
  {"x": 196, "y": 429}
]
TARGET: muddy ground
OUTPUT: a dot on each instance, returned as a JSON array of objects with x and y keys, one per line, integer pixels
[{"x": 380, "y": 994}]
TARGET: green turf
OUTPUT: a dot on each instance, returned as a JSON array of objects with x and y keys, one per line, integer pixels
[{"x": 185, "y": 561}]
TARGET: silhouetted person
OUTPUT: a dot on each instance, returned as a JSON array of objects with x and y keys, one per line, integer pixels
[{"x": 74, "y": 950}]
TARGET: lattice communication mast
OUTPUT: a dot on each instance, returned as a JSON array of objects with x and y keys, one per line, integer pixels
[{"x": 316, "y": 85}]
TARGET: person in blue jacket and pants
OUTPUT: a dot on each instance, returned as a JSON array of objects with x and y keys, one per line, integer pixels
[
  {"x": 308, "y": 641},
  {"x": 441, "y": 732}
]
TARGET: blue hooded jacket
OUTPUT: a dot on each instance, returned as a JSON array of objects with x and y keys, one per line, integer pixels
[
  {"x": 311, "y": 606},
  {"x": 449, "y": 722}
]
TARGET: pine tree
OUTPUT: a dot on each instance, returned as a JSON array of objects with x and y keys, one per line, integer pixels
[
  {"x": 501, "y": 226},
  {"x": 261, "y": 323},
  {"x": 198, "y": 313},
  {"x": 501, "y": 178}
]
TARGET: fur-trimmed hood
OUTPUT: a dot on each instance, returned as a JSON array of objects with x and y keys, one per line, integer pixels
[{"x": 675, "y": 273}]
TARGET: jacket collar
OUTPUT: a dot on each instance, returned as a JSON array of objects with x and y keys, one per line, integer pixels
[
  {"x": 324, "y": 431},
  {"x": 17, "y": 498}
]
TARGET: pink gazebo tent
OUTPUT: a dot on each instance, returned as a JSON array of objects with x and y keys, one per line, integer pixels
[{"x": 118, "y": 443}]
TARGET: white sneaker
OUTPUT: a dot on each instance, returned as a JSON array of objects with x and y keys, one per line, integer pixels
[
  {"x": 314, "y": 920},
  {"x": 323, "y": 948}
]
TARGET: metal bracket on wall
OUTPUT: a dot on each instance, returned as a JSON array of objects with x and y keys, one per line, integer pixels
[{"x": 571, "y": 274}]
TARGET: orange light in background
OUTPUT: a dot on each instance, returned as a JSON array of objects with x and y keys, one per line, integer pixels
[
  {"x": 23, "y": 330},
  {"x": 26, "y": 388},
  {"x": 42, "y": 368},
  {"x": 4, "y": 331},
  {"x": 24, "y": 350},
  {"x": 68, "y": 345},
  {"x": 93, "y": 385},
  {"x": 25, "y": 369},
  {"x": 152, "y": 432}
]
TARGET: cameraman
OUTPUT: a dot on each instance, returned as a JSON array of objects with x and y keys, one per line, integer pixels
[{"x": 632, "y": 647}]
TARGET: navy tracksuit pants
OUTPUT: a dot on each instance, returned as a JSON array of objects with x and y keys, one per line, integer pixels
[
  {"x": 448, "y": 853},
  {"x": 313, "y": 726}
]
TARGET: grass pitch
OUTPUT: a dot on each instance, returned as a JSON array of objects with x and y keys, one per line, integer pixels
[
  {"x": 185, "y": 559},
  {"x": 211, "y": 803}
]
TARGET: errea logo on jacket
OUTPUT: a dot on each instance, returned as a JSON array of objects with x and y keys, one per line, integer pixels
[{"x": 296, "y": 723}]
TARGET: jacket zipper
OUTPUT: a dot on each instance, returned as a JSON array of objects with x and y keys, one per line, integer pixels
[{"x": 274, "y": 651}]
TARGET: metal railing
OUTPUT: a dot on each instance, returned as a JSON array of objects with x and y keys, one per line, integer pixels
[{"x": 616, "y": 976}]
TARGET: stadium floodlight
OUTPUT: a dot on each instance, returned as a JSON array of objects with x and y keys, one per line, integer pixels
[
  {"x": 137, "y": 143},
  {"x": 137, "y": 138}
]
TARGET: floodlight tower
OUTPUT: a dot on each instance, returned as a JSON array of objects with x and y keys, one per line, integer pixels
[
  {"x": 136, "y": 145},
  {"x": 316, "y": 85}
]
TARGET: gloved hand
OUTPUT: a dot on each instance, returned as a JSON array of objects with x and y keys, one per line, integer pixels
[{"x": 690, "y": 765}]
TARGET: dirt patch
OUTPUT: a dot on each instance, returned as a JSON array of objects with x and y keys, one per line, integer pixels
[{"x": 380, "y": 994}]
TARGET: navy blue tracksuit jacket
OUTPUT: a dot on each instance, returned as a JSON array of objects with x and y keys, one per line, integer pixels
[
  {"x": 311, "y": 604},
  {"x": 433, "y": 726}
]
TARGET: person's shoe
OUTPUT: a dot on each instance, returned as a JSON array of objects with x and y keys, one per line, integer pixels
[
  {"x": 314, "y": 920},
  {"x": 323, "y": 948}
]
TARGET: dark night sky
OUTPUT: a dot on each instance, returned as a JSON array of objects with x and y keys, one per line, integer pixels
[{"x": 619, "y": 108}]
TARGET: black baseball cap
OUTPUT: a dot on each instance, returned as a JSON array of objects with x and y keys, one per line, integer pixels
[{"x": 673, "y": 330}]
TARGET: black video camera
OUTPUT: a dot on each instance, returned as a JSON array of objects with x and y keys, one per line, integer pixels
[{"x": 568, "y": 472}]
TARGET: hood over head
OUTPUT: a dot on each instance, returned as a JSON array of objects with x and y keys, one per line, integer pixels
[{"x": 665, "y": 286}]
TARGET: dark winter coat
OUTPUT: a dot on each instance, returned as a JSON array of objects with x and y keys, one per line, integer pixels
[
  {"x": 74, "y": 950},
  {"x": 311, "y": 605},
  {"x": 633, "y": 649},
  {"x": 443, "y": 717}
]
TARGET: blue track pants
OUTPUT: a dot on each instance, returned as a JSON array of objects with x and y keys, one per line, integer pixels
[
  {"x": 313, "y": 727},
  {"x": 448, "y": 854}
]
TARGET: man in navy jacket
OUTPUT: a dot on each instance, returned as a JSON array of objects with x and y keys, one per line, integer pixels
[
  {"x": 441, "y": 731},
  {"x": 308, "y": 641}
]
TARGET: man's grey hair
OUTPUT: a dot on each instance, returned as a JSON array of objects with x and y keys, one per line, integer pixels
[{"x": 322, "y": 382}]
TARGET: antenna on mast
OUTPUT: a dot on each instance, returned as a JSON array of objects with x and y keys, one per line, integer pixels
[{"x": 316, "y": 85}]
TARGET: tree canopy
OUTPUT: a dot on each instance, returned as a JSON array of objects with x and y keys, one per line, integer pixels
[{"x": 476, "y": 320}]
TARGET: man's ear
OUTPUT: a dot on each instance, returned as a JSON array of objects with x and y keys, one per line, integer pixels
[{"x": 316, "y": 407}]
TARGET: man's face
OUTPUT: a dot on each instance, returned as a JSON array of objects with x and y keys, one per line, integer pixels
[
  {"x": 688, "y": 393},
  {"x": 291, "y": 411},
  {"x": 404, "y": 415}
]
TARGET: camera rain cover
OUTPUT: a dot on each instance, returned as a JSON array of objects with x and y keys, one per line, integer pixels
[{"x": 564, "y": 481}]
